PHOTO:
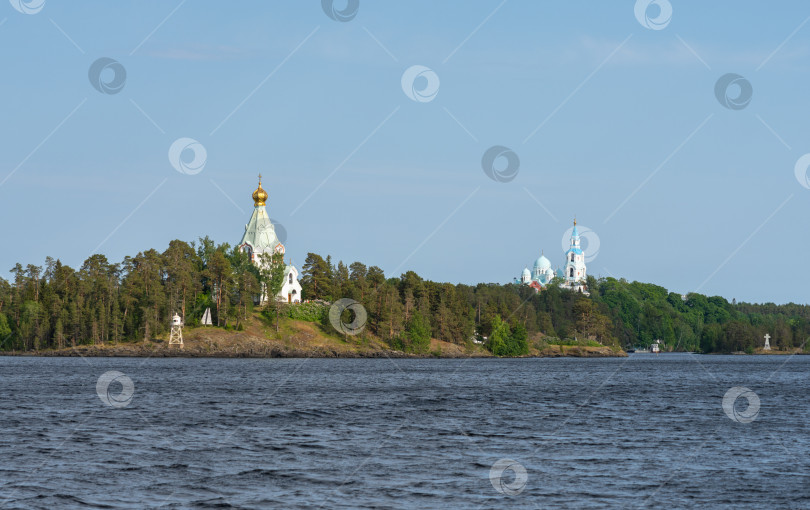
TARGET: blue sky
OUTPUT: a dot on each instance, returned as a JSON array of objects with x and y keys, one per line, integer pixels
[{"x": 612, "y": 121}]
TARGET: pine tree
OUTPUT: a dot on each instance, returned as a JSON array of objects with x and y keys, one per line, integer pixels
[
  {"x": 221, "y": 275},
  {"x": 181, "y": 263},
  {"x": 357, "y": 275},
  {"x": 341, "y": 281},
  {"x": 316, "y": 277}
]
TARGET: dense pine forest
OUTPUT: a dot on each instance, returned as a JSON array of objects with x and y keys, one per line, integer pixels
[{"x": 56, "y": 306}]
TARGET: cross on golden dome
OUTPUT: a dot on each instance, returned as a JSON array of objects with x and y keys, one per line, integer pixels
[{"x": 259, "y": 196}]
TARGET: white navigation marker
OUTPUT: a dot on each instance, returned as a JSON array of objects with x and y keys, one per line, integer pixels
[
  {"x": 767, "y": 342},
  {"x": 176, "y": 333}
]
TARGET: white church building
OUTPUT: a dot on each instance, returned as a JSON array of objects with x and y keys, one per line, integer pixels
[
  {"x": 572, "y": 276},
  {"x": 260, "y": 237}
]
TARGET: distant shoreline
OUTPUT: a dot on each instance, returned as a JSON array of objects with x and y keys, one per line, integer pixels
[
  {"x": 247, "y": 346},
  {"x": 738, "y": 353},
  {"x": 763, "y": 353}
]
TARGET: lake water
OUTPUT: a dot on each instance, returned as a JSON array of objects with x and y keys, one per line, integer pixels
[{"x": 643, "y": 431}]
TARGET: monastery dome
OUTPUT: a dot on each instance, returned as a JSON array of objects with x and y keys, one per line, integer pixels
[{"x": 542, "y": 263}]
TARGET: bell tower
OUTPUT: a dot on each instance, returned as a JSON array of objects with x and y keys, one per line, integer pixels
[{"x": 575, "y": 270}]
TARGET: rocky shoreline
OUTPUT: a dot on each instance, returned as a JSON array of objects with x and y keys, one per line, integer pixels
[{"x": 296, "y": 339}]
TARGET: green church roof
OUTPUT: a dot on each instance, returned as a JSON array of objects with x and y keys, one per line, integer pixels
[{"x": 260, "y": 234}]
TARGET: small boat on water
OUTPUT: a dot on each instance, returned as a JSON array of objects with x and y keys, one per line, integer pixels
[{"x": 654, "y": 348}]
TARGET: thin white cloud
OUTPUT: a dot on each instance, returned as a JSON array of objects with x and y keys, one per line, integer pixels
[{"x": 672, "y": 52}]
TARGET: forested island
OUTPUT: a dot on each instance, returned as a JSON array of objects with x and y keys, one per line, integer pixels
[{"x": 55, "y": 307}]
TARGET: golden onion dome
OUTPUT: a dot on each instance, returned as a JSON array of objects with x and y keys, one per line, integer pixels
[{"x": 259, "y": 196}]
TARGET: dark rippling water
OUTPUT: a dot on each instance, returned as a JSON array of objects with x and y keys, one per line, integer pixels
[{"x": 644, "y": 431}]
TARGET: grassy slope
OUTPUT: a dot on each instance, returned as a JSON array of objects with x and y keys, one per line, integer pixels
[
  {"x": 260, "y": 339},
  {"x": 295, "y": 339}
]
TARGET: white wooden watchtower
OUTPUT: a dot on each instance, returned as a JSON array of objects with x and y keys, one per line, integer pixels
[{"x": 176, "y": 334}]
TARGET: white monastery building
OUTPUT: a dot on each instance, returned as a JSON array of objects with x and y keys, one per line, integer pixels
[
  {"x": 260, "y": 237},
  {"x": 573, "y": 276}
]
